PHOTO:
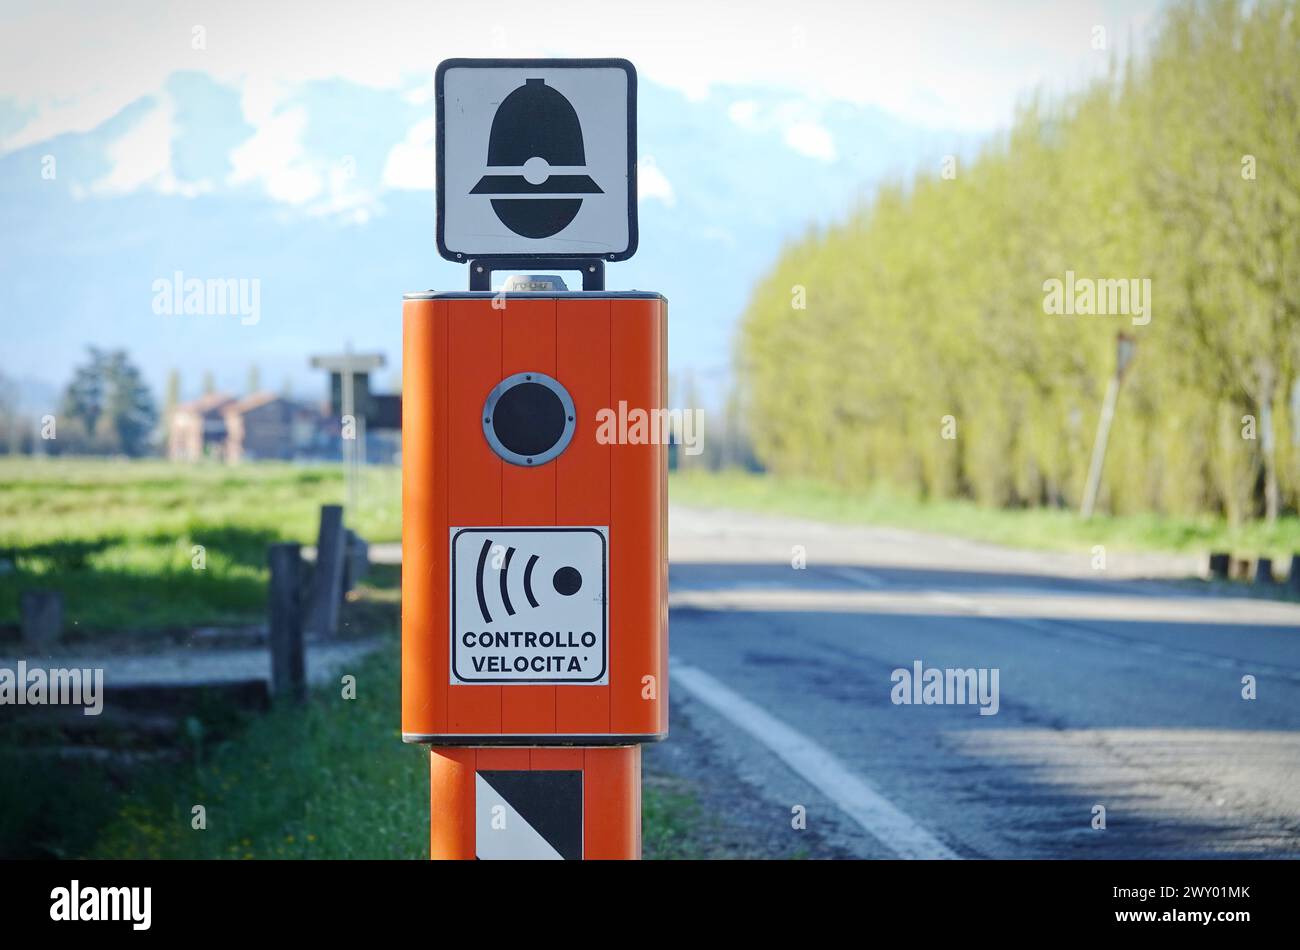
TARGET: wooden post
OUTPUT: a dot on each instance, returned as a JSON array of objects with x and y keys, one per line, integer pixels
[
  {"x": 288, "y": 662},
  {"x": 357, "y": 563},
  {"x": 1220, "y": 562},
  {"x": 327, "y": 579},
  {"x": 41, "y": 614}
]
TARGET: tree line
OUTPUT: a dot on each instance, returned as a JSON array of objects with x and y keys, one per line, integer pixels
[
  {"x": 106, "y": 409},
  {"x": 931, "y": 340}
]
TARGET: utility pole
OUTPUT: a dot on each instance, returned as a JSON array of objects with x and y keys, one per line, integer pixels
[
  {"x": 349, "y": 446},
  {"x": 346, "y": 366},
  {"x": 1125, "y": 346}
]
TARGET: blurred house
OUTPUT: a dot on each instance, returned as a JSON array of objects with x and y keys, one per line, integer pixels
[
  {"x": 266, "y": 425},
  {"x": 197, "y": 429}
]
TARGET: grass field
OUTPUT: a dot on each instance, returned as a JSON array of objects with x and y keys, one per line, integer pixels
[
  {"x": 331, "y": 780},
  {"x": 118, "y": 538},
  {"x": 1040, "y": 528},
  {"x": 328, "y": 780}
]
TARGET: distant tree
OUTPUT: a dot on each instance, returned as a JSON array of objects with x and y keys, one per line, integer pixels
[
  {"x": 254, "y": 383},
  {"x": 172, "y": 397},
  {"x": 83, "y": 400},
  {"x": 109, "y": 405},
  {"x": 11, "y": 425},
  {"x": 209, "y": 384}
]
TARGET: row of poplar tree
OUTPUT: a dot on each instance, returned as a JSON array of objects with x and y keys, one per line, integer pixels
[{"x": 910, "y": 344}]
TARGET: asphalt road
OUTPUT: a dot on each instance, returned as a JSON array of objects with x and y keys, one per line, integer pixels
[{"x": 1114, "y": 689}]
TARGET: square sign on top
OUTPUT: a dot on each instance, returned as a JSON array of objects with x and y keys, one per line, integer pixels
[{"x": 536, "y": 158}]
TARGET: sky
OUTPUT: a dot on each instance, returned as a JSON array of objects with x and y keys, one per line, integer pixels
[{"x": 293, "y": 143}]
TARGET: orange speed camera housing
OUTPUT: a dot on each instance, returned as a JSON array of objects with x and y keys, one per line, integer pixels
[{"x": 534, "y": 568}]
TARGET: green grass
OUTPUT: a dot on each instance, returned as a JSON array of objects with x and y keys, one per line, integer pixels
[
  {"x": 327, "y": 779},
  {"x": 330, "y": 780},
  {"x": 50, "y": 807},
  {"x": 676, "y": 826},
  {"x": 333, "y": 780},
  {"x": 1041, "y": 528},
  {"x": 118, "y": 537},
  {"x": 670, "y": 822}
]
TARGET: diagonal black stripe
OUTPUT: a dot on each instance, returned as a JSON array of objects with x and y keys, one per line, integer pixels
[
  {"x": 505, "y": 575},
  {"x": 528, "y": 580},
  {"x": 482, "y": 560},
  {"x": 550, "y": 801}
]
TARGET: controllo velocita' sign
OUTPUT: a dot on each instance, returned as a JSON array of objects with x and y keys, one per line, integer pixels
[
  {"x": 528, "y": 605},
  {"x": 536, "y": 158}
]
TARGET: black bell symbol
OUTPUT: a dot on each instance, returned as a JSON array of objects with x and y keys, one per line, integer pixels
[{"x": 534, "y": 130}]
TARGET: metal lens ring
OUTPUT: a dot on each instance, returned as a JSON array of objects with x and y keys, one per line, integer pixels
[{"x": 528, "y": 419}]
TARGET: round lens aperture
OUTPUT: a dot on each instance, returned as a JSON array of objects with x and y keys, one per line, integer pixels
[{"x": 528, "y": 419}]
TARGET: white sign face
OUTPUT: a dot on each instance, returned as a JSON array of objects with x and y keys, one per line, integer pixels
[
  {"x": 529, "y": 605},
  {"x": 536, "y": 157}
]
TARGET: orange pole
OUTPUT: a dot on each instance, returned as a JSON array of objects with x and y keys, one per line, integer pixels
[
  {"x": 451, "y": 797},
  {"x": 612, "y": 804},
  {"x": 609, "y": 352}
]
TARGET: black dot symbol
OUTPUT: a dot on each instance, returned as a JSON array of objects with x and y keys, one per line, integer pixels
[{"x": 567, "y": 580}]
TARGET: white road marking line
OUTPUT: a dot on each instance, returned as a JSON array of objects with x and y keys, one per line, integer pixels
[
  {"x": 854, "y": 795},
  {"x": 954, "y": 600}
]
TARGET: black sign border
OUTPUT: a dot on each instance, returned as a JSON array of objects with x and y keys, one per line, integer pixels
[
  {"x": 459, "y": 680},
  {"x": 633, "y": 238}
]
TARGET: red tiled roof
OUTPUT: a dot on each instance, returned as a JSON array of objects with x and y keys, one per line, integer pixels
[
  {"x": 207, "y": 403},
  {"x": 250, "y": 402}
]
